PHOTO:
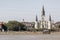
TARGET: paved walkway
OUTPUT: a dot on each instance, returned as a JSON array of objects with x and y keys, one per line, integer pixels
[{"x": 30, "y": 37}]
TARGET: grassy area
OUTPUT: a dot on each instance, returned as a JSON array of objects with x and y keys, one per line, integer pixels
[
  {"x": 25, "y": 33},
  {"x": 20, "y": 33}
]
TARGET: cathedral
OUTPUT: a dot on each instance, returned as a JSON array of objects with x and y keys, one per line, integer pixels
[{"x": 43, "y": 23}]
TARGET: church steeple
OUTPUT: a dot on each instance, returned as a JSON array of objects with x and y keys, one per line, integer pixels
[
  {"x": 43, "y": 14},
  {"x": 36, "y": 23},
  {"x": 49, "y": 17},
  {"x": 36, "y": 18},
  {"x": 43, "y": 11}
]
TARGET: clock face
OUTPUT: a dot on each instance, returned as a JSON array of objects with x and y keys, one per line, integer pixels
[{"x": 43, "y": 18}]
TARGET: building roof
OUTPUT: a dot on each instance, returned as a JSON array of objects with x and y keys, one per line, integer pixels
[
  {"x": 57, "y": 22},
  {"x": 28, "y": 23}
]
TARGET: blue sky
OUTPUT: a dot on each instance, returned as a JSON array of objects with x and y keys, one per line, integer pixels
[{"x": 27, "y": 9}]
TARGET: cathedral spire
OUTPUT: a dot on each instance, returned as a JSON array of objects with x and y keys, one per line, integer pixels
[
  {"x": 36, "y": 18},
  {"x": 43, "y": 11},
  {"x": 49, "y": 17}
]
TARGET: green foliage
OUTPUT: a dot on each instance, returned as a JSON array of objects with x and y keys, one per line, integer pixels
[
  {"x": 59, "y": 26},
  {"x": 15, "y": 25}
]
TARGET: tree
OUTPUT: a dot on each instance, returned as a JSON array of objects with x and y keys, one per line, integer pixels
[
  {"x": 15, "y": 26},
  {"x": 59, "y": 26},
  {"x": 4, "y": 27}
]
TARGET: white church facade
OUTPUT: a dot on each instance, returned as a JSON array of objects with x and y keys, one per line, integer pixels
[{"x": 43, "y": 23}]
